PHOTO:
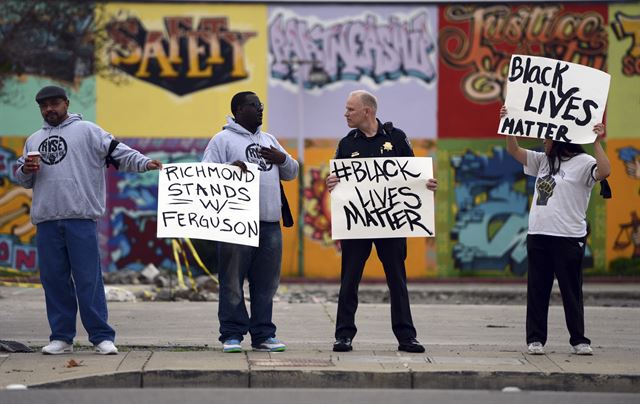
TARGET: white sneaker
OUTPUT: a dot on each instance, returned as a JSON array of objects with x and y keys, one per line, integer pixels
[
  {"x": 535, "y": 348},
  {"x": 106, "y": 347},
  {"x": 582, "y": 349},
  {"x": 57, "y": 347}
]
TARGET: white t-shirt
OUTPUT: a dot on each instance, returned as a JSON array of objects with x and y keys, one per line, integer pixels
[{"x": 559, "y": 206}]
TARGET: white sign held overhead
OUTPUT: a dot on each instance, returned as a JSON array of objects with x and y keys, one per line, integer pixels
[
  {"x": 209, "y": 201},
  {"x": 553, "y": 99},
  {"x": 382, "y": 198}
]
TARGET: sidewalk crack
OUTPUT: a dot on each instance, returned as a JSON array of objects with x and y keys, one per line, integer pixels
[
  {"x": 122, "y": 361},
  {"x": 146, "y": 362},
  {"x": 326, "y": 311}
]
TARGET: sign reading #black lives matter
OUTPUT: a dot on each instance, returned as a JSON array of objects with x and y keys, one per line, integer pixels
[
  {"x": 382, "y": 198},
  {"x": 209, "y": 201},
  {"x": 552, "y": 99}
]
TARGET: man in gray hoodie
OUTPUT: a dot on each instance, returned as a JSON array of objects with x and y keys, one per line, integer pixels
[
  {"x": 241, "y": 140},
  {"x": 68, "y": 182}
]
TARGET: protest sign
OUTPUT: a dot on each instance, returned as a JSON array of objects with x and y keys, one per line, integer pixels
[
  {"x": 209, "y": 201},
  {"x": 382, "y": 198},
  {"x": 553, "y": 99}
]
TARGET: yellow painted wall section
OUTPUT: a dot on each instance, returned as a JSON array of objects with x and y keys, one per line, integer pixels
[{"x": 138, "y": 108}]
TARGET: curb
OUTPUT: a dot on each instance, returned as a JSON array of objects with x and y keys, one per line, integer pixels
[{"x": 465, "y": 380}]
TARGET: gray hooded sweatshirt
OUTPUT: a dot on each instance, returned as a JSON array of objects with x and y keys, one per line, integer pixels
[
  {"x": 236, "y": 143},
  {"x": 71, "y": 181}
]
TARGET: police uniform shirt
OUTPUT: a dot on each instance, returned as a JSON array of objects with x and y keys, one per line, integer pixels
[{"x": 356, "y": 144}]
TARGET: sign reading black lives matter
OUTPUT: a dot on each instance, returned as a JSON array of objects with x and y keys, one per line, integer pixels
[
  {"x": 553, "y": 99},
  {"x": 382, "y": 198},
  {"x": 209, "y": 201}
]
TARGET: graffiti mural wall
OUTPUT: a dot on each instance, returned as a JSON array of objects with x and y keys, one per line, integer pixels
[
  {"x": 169, "y": 71},
  {"x": 623, "y": 211},
  {"x": 389, "y": 51},
  {"x": 180, "y": 65},
  {"x": 476, "y": 44},
  {"x": 17, "y": 234}
]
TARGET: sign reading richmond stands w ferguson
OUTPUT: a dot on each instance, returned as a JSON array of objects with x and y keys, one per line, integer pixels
[
  {"x": 209, "y": 201},
  {"x": 552, "y": 99},
  {"x": 382, "y": 198}
]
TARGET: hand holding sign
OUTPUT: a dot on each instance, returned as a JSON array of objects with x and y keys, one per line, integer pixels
[
  {"x": 154, "y": 165},
  {"x": 552, "y": 99}
]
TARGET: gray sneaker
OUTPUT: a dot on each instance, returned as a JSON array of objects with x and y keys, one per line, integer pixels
[
  {"x": 535, "y": 348},
  {"x": 270, "y": 345},
  {"x": 582, "y": 349}
]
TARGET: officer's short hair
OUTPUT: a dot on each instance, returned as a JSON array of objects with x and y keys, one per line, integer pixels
[{"x": 368, "y": 99}]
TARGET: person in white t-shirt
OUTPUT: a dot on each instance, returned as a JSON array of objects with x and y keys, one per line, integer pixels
[{"x": 565, "y": 175}]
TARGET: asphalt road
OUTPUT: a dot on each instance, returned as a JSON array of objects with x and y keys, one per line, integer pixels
[{"x": 306, "y": 396}]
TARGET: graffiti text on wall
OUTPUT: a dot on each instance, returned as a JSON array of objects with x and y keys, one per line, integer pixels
[
  {"x": 629, "y": 26},
  {"x": 352, "y": 49},
  {"x": 186, "y": 59},
  {"x": 492, "y": 34}
]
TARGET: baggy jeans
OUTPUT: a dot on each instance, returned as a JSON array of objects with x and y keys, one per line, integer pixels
[{"x": 72, "y": 279}]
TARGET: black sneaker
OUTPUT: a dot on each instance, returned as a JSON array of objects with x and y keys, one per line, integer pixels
[
  {"x": 342, "y": 344},
  {"x": 411, "y": 345}
]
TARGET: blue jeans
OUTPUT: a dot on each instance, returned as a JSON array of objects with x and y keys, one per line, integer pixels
[
  {"x": 261, "y": 266},
  {"x": 71, "y": 277}
]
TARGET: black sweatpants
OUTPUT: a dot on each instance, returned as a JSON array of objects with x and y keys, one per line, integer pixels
[
  {"x": 392, "y": 253},
  {"x": 562, "y": 257}
]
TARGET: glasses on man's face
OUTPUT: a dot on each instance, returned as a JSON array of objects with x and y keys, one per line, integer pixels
[{"x": 257, "y": 105}]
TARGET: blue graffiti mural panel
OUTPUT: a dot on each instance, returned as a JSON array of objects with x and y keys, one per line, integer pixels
[{"x": 129, "y": 228}]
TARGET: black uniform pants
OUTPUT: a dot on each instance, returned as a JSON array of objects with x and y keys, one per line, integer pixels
[
  {"x": 562, "y": 257},
  {"x": 392, "y": 253}
]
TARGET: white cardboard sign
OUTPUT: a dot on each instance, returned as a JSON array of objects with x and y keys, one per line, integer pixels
[
  {"x": 209, "y": 201},
  {"x": 553, "y": 99},
  {"x": 382, "y": 198}
]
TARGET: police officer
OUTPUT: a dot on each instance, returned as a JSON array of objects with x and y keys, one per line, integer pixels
[{"x": 371, "y": 138}]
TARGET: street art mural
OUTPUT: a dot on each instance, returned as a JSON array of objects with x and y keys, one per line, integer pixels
[
  {"x": 628, "y": 26},
  {"x": 179, "y": 66},
  {"x": 476, "y": 44},
  {"x": 317, "y": 212},
  {"x": 437, "y": 71},
  {"x": 623, "y": 210},
  {"x": 487, "y": 211},
  {"x": 491, "y": 219},
  {"x": 17, "y": 234},
  {"x": 352, "y": 48},
  {"x": 318, "y": 55},
  {"x": 189, "y": 56},
  {"x": 129, "y": 228},
  {"x": 623, "y": 119}
]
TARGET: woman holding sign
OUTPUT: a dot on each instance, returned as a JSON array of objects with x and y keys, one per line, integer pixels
[{"x": 565, "y": 175}]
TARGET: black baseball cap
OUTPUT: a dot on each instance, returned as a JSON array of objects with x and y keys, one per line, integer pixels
[{"x": 50, "y": 92}]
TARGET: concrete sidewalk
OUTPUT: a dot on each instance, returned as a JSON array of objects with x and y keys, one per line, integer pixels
[{"x": 174, "y": 344}]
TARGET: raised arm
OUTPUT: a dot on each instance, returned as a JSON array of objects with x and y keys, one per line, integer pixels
[
  {"x": 513, "y": 148},
  {"x": 602, "y": 161}
]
